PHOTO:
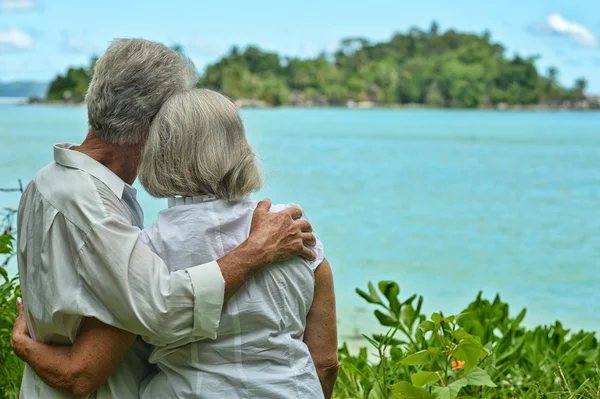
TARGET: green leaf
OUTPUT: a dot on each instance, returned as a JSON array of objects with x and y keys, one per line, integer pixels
[
  {"x": 404, "y": 390},
  {"x": 424, "y": 377},
  {"x": 462, "y": 315},
  {"x": 385, "y": 320},
  {"x": 387, "y": 340},
  {"x": 4, "y": 273},
  {"x": 373, "y": 292},
  {"x": 372, "y": 296},
  {"x": 409, "y": 300},
  {"x": 434, "y": 350},
  {"x": 519, "y": 319},
  {"x": 479, "y": 377},
  {"x": 416, "y": 359},
  {"x": 419, "y": 306},
  {"x": 390, "y": 291},
  {"x": 376, "y": 393},
  {"x": 469, "y": 348},
  {"x": 6, "y": 244},
  {"x": 372, "y": 341},
  {"x": 426, "y": 326},
  {"x": 468, "y": 353},
  {"x": 408, "y": 316},
  {"x": 396, "y": 354},
  {"x": 436, "y": 318},
  {"x": 451, "y": 391}
]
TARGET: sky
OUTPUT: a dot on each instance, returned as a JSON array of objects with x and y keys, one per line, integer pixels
[{"x": 40, "y": 38}]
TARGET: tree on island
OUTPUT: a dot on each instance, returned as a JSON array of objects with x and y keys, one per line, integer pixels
[{"x": 449, "y": 69}]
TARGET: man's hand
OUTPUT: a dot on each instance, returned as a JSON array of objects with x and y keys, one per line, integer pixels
[
  {"x": 281, "y": 235},
  {"x": 274, "y": 236},
  {"x": 20, "y": 332}
]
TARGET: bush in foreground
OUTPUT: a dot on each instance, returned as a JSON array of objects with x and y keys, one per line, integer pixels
[
  {"x": 481, "y": 353},
  {"x": 11, "y": 368}
]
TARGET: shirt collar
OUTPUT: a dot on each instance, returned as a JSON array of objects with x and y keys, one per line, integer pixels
[
  {"x": 176, "y": 201},
  {"x": 65, "y": 156}
]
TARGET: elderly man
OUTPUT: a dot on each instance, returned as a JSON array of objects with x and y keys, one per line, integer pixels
[{"x": 84, "y": 272}]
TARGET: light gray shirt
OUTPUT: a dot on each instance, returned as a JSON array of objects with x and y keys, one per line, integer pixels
[
  {"x": 259, "y": 351},
  {"x": 80, "y": 255}
]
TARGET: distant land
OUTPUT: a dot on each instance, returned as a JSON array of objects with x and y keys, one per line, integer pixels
[
  {"x": 413, "y": 69},
  {"x": 23, "y": 89}
]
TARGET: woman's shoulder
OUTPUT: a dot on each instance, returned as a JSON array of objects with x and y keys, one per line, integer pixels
[{"x": 318, "y": 248}]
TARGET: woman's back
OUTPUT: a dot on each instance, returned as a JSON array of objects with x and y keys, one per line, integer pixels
[{"x": 259, "y": 351}]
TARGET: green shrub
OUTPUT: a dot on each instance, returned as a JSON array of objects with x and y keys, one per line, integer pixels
[
  {"x": 11, "y": 367},
  {"x": 481, "y": 353}
]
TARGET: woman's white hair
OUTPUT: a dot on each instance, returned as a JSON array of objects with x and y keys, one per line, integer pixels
[
  {"x": 131, "y": 82},
  {"x": 197, "y": 146}
]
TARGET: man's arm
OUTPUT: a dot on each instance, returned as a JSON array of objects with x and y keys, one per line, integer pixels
[
  {"x": 79, "y": 369},
  {"x": 136, "y": 292},
  {"x": 321, "y": 329}
]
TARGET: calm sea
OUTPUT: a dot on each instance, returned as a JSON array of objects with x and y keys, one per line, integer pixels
[{"x": 446, "y": 203}]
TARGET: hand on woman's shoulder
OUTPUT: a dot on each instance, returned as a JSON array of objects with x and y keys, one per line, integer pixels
[{"x": 318, "y": 248}]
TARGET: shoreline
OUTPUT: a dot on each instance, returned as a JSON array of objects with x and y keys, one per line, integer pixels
[{"x": 588, "y": 104}]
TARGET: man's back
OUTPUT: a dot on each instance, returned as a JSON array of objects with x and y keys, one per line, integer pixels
[{"x": 54, "y": 216}]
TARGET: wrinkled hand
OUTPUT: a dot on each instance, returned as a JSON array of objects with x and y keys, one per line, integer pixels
[
  {"x": 281, "y": 235},
  {"x": 20, "y": 332}
]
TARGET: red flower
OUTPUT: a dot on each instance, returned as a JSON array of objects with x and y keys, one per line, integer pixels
[{"x": 457, "y": 365}]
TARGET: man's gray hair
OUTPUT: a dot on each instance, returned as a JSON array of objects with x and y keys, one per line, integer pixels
[
  {"x": 197, "y": 146},
  {"x": 131, "y": 82}
]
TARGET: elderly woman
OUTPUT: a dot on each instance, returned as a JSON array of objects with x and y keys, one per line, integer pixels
[{"x": 277, "y": 335}]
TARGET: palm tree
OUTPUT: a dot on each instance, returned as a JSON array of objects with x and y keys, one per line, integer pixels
[
  {"x": 580, "y": 85},
  {"x": 551, "y": 82},
  {"x": 435, "y": 29},
  {"x": 552, "y": 74}
]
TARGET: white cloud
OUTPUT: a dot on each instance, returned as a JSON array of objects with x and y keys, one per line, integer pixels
[
  {"x": 574, "y": 31},
  {"x": 73, "y": 44},
  {"x": 15, "y": 39},
  {"x": 17, "y": 5}
]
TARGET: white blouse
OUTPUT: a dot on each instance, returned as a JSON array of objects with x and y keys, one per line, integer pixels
[{"x": 259, "y": 350}]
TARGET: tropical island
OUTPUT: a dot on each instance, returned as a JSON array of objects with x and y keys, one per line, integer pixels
[{"x": 413, "y": 69}]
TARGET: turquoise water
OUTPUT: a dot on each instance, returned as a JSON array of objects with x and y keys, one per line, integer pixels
[{"x": 447, "y": 203}]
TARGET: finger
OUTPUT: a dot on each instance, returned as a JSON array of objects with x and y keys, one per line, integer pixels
[
  {"x": 308, "y": 254},
  {"x": 309, "y": 239},
  {"x": 304, "y": 225},
  {"x": 19, "y": 306},
  {"x": 295, "y": 213},
  {"x": 263, "y": 206}
]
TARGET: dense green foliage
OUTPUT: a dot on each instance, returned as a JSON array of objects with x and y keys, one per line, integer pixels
[
  {"x": 502, "y": 358},
  {"x": 11, "y": 368},
  {"x": 72, "y": 85},
  {"x": 449, "y": 69}
]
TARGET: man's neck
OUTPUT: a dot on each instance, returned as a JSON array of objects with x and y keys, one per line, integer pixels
[{"x": 122, "y": 159}]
